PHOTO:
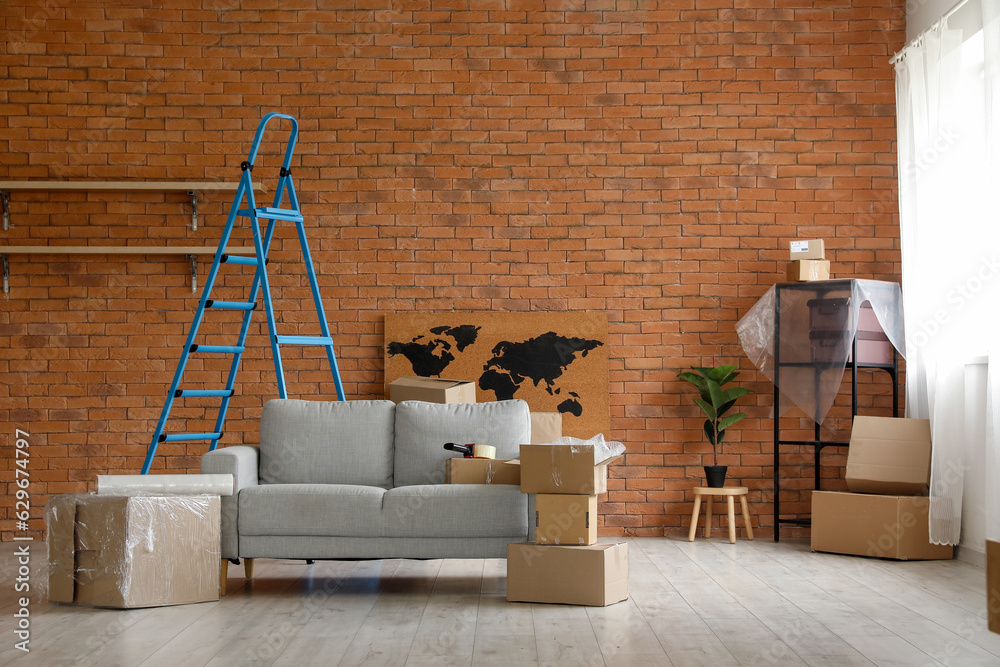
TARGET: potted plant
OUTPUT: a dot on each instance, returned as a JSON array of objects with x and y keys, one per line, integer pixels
[{"x": 715, "y": 401}]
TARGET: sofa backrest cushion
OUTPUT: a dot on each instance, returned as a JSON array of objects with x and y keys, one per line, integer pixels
[
  {"x": 422, "y": 429},
  {"x": 327, "y": 442}
]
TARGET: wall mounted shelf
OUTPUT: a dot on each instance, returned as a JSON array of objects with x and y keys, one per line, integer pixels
[
  {"x": 192, "y": 188},
  {"x": 191, "y": 252}
]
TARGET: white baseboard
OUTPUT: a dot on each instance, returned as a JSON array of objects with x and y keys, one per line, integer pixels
[{"x": 971, "y": 555}]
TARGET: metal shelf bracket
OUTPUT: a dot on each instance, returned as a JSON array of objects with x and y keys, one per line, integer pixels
[
  {"x": 194, "y": 209},
  {"x": 194, "y": 273}
]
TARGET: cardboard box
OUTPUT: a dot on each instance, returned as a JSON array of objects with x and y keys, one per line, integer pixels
[
  {"x": 829, "y": 314},
  {"x": 563, "y": 469},
  {"x": 432, "y": 390},
  {"x": 565, "y": 519},
  {"x": 880, "y": 526},
  {"x": 889, "y": 455},
  {"x": 138, "y": 551},
  {"x": 806, "y": 249},
  {"x": 481, "y": 471},
  {"x": 993, "y": 584},
  {"x": 595, "y": 575},
  {"x": 805, "y": 270},
  {"x": 546, "y": 427}
]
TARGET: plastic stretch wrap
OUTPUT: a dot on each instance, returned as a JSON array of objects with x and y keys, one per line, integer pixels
[
  {"x": 814, "y": 324},
  {"x": 138, "y": 551},
  {"x": 159, "y": 485},
  {"x": 603, "y": 449},
  {"x": 568, "y": 465}
]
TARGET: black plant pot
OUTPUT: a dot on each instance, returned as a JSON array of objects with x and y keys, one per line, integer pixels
[{"x": 716, "y": 476}]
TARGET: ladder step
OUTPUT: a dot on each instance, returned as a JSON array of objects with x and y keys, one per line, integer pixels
[
  {"x": 304, "y": 340},
  {"x": 236, "y": 259},
  {"x": 179, "y": 437},
  {"x": 230, "y": 305},
  {"x": 218, "y": 349},
  {"x": 202, "y": 392},
  {"x": 271, "y": 213}
]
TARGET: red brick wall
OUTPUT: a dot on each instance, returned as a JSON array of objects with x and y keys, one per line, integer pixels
[{"x": 648, "y": 160}]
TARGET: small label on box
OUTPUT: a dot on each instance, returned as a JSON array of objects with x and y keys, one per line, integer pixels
[{"x": 799, "y": 246}]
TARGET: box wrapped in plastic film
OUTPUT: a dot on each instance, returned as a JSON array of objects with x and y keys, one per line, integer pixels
[{"x": 138, "y": 551}]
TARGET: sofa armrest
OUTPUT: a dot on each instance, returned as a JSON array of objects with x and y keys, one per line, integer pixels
[{"x": 241, "y": 462}]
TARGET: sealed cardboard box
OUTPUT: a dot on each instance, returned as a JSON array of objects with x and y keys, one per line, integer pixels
[
  {"x": 595, "y": 575},
  {"x": 565, "y": 519},
  {"x": 812, "y": 249},
  {"x": 140, "y": 551},
  {"x": 563, "y": 469},
  {"x": 805, "y": 270},
  {"x": 993, "y": 584},
  {"x": 889, "y": 455},
  {"x": 880, "y": 526},
  {"x": 432, "y": 390},
  {"x": 546, "y": 427},
  {"x": 481, "y": 471}
]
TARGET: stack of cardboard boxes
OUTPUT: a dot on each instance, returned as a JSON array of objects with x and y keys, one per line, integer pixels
[
  {"x": 885, "y": 514},
  {"x": 565, "y": 564},
  {"x": 808, "y": 261}
]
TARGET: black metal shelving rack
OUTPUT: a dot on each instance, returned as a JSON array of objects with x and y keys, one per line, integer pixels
[{"x": 817, "y": 443}]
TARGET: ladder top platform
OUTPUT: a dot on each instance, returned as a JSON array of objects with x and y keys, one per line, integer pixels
[{"x": 135, "y": 186}]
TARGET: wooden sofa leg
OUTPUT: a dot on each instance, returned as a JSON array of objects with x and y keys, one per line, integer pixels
[
  {"x": 223, "y": 574},
  {"x": 248, "y": 567}
]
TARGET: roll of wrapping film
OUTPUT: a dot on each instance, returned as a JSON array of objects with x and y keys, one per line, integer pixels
[{"x": 164, "y": 485}]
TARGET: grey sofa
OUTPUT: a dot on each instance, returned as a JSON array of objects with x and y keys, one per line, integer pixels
[{"x": 365, "y": 479}]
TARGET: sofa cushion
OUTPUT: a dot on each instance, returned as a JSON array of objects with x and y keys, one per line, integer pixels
[
  {"x": 336, "y": 510},
  {"x": 327, "y": 442},
  {"x": 455, "y": 510},
  {"x": 422, "y": 429}
]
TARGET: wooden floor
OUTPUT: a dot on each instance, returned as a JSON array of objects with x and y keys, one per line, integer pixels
[{"x": 701, "y": 603}]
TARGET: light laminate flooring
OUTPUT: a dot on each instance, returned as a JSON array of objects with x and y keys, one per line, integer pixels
[{"x": 702, "y": 603}]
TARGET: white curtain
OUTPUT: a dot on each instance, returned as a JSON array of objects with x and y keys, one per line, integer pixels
[
  {"x": 991, "y": 91},
  {"x": 950, "y": 240}
]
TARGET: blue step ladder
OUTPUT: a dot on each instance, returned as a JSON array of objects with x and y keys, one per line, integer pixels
[{"x": 273, "y": 214}]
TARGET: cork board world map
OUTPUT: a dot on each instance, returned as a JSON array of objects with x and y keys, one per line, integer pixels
[{"x": 557, "y": 362}]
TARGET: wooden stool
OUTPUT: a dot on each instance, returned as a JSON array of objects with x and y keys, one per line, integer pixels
[{"x": 729, "y": 492}]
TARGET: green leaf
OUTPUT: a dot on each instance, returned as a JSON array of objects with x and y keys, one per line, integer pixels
[
  {"x": 696, "y": 380},
  {"x": 730, "y": 395},
  {"x": 707, "y": 408},
  {"x": 728, "y": 378},
  {"x": 726, "y": 422},
  {"x": 718, "y": 396},
  {"x": 719, "y": 373}
]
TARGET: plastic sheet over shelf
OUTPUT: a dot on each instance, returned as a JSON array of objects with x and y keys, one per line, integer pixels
[{"x": 785, "y": 316}]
